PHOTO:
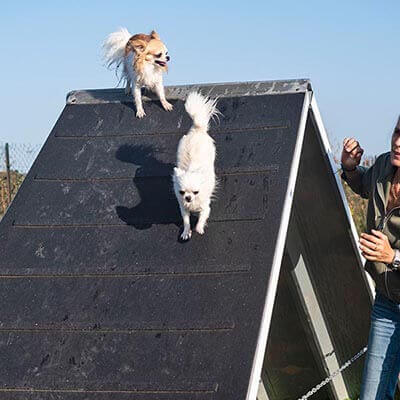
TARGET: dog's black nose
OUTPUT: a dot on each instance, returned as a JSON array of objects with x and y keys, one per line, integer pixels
[
  {"x": 188, "y": 199},
  {"x": 168, "y": 58}
]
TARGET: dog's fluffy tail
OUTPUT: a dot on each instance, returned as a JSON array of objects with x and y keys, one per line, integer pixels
[
  {"x": 114, "y": 47},
  {"x": 201, "y": 109}
]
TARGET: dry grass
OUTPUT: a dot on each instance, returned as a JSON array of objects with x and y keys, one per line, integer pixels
[
  {"x": 358, "y": 208},
  {"x": 16, "y": 179}
]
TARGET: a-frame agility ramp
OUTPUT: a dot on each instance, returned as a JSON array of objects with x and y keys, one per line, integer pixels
[{"x": 101, "y": 301}]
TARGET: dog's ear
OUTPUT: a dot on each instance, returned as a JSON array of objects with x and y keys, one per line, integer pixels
[
  {"x": 178, "y": 172},
  {"x": 138, "y": 45},
  {"x": 154, "y": 35}
]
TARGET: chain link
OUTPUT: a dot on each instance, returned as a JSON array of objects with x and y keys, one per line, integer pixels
[
  {"x": 20, "y": 158},
  {"x": 333, "y": 375}
]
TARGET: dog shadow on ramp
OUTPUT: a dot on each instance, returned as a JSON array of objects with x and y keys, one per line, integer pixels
[{"x": 153, "y": 184}]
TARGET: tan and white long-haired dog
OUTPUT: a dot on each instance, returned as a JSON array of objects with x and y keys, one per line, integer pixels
[
  {"x": 144, "y": 59},
  {"x": 194, "y": 176}
]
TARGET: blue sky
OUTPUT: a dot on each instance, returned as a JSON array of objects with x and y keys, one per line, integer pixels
[{"x": 349, "y": 50}]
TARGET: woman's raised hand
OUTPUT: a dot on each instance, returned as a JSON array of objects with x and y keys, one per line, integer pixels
[{"x": 351, "y": 154}]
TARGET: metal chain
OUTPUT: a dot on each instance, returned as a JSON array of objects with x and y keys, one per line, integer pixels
[{"x": 333, "y": 375}]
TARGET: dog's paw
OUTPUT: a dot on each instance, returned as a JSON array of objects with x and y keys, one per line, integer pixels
[
  {"x": 140, "y": 113},
  {"x": 186, "y": 235},
  {"x": 167, "y": 106},
  {"x": 200, "y": 229}
]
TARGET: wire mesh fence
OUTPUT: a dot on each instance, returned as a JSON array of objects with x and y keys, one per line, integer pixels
[{"x": 15, "y": 161}]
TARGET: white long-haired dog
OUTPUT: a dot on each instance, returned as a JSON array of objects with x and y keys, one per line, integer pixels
[
  {"x": 194, "y": 176},
  {"x": 144, "y": 59}
]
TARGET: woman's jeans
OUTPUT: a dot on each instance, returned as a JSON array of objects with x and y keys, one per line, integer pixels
[{"x": 382, "y": 364}]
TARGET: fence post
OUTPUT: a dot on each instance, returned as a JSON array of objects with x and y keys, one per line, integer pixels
[{"x": 8, "y": 173}]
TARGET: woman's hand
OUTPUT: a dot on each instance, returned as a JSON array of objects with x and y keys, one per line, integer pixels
[
  {"x": 351, "y": 153},
  {"x": 376, "y": 247}
]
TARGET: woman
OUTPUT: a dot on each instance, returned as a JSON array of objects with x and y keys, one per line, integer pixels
[{"x": 379, "y": 245}]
